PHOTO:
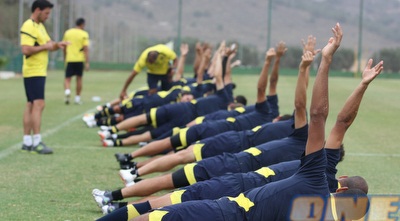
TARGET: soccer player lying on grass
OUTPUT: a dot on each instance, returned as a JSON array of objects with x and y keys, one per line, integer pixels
[
  {"x": 286, "y": 149},
  {"x": 199, "y": 89},
  {"x": 166, "y": 117},
  {"x": 266, "y": 109},
  {"x": 241, "y": 140},
  {"x": 137, "y": 105},
  {"x": 273, "y": 201},
  {"x": 234, "y": 184},
  {"x": 218, "y": 145}
]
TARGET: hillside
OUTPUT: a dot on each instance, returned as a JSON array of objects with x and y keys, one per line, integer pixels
[
  {"x": 120, "y": 28},
  {"x": 246, "y": 21}
]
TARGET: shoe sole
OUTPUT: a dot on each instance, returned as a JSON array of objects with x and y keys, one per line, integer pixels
[
  {"x": 94, "y": 197},
  {"x": 122, "y": 178},
  {"x": 124, "y": 181},
  {"x": 102, "y": 137}
]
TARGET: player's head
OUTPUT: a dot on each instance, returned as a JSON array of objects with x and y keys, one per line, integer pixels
[
  {"x": 152, "y": 56},
  {"x": 41, "y": 9},
  {"x": 241, "y": 100},
  {"x": 351, "y": 204},
  {"x": 353, "y": 182},
  {"x": 80, "y": 22},
  {"x": 186, "y": 96}
]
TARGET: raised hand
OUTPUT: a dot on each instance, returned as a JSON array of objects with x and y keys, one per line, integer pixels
[
  {"x": 306, "y": 59},
  {"x": 281, "y": 49},
  {"x": 198, "y": 47},
  {"x": 270, "y": 54},
  {"x": 184, "y": 49},
  {"x": 334, "y": 42},
  {"x": 369, "y": 73},
  {"x": 310, "y": 45}
]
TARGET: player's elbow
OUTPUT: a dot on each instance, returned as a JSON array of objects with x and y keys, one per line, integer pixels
[{"x": 319, "y": 113}]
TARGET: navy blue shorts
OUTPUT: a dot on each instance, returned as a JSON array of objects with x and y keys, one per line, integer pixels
[
  {"x": 153, "y": 79},
  {"x": 34, "y": 88},
  {"x": 74, "y": 68}
]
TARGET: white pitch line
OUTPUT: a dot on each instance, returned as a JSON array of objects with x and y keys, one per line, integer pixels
[{"x": 9, "y": 150}]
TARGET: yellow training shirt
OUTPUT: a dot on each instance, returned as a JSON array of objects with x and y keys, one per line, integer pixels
[
  {"x": 34, "y": 34},
  {"x": 78, "y": 39},
  {"x": 161, "y": 65}
]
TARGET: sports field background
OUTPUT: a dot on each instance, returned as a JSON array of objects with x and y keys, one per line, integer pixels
[{"x": 58, "y": 186}]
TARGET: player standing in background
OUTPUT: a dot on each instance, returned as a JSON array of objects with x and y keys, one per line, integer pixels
[
  {"x": 76, "y": 57},
  {"x": 35, "y": 44}
]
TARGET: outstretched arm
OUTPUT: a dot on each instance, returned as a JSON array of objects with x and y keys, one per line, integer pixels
[
  {"x": 219, "y": 83},
  {"x": 263, "y": 79},
  {"x": 230, "y": 53},
  {"x": 350, "y": 109},
  {"x": 181, "y": 62},
  {"x": 204, "y": 62},
  {"x": 319, "y": 101},
  {"x": 273, "y": 79},
  {"x": 300, "y": 97},
  {"x": 197, "y": 57}
]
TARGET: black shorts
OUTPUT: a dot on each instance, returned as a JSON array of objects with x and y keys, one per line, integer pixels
[
  {"x": 153, "y": 79},
  {"x": 34, "y": 88},
  {"x": 74, "y": 68}
]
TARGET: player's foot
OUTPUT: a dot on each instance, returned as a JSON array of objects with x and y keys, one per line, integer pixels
[
  {"x": 66, "y": 99},
  {"x": 127, "y": 166},
  {"x": 88, "y": 117},
  {"x": 108, "y": 143},
  {"x": 78, "y": 100},
  {"x": 104, "y": 134},
  {"x": 101, "y": 197},
  {"x": 124, "y": 162},
  {"x": 128, "y": 176},
  {"x": 106, "y": 209},
  {"x": 122, "y": 157},
  {"x": 26, "y": 148},
  {"x": 89, "y": 120},
  {"x": 91, "y": 124},
  {"x": 103, "y": 127},
  {"x": 41, "y": 148}
]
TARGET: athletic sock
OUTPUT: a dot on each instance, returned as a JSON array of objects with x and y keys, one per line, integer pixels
[
  {"x": 112, "y": 121},
  {"x": 118, "y": 143},
  {"x": 129, "y": 156},
  {"x": 77, "y": 99},
  {"x": 67, "y": 91},
  {"x": 117, "y": 195},
  {"x": 27, "y": 140},
  {"x": 114, "y": 130},
  {"x": 37, "y": 138}
]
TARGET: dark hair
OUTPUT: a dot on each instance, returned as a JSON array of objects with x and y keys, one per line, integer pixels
[
  {"x": 355, "y": 182},
  {"x": 152, "y": 55},
  {"x": 241, "y": 99},
  {"x": 80, "y": 21},
  {"x": 41, "y": 4}
]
